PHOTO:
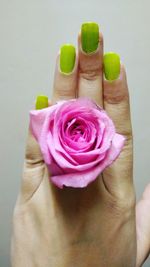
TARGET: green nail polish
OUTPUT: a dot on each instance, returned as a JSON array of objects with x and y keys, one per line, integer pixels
[
  {"x": 67, "y": 58},
  {"x": 41, "y": 102},
  {"x": 89, "y": 36},
  {"x": 111, "y": 66}
]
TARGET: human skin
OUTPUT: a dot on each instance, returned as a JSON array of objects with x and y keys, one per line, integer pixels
[{"x": 99, "y": 225}]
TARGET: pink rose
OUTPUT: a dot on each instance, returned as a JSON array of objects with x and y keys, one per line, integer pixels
[{"x": 77, "y": 139}]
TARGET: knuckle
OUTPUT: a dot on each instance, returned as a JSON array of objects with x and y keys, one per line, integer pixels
[
  {"x": 33, "y": 155},
  {"x": 115, "y": 92},
  {"x": 64, "y": 94},
  {"x": 32, "y": 163},
  {"x": 115, "y": 98},
  {"x": 90, "y": 74}
]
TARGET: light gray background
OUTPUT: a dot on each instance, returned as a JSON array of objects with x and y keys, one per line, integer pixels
[{"x": 31, "y": 32}]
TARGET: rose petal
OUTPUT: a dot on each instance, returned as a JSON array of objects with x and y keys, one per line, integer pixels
[
  {"x": 82, "y": 179},
  {"x": 63, "y": 162}
]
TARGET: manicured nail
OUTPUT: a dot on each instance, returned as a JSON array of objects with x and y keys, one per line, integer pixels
[
  {"x": 111, "y": 66},
  {"x": 67, "y": 58},
  {"x": 41, "y": 102},
  {"x": 89, "y": 37}
]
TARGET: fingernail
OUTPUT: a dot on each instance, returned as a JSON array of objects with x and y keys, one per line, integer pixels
[
  {"x": 89, "y": 37},
  {"x": 41, "y": 102},
  {"x": 111, "y": 66},
  {"x": 67, "y": 58}
]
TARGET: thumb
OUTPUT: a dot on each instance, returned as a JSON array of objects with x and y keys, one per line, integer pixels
[{"x": 34, "y": 166}]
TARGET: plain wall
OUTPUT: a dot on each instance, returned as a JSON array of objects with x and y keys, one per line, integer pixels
[{"x": 31, "y": 33}]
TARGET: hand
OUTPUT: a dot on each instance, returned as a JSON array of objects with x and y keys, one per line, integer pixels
[{"x": 94, "y": 226}]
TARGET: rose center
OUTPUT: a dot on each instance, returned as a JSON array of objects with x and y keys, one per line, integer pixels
[{"x": 76, "y": 130}]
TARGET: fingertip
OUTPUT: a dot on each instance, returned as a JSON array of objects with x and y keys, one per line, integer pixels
[
  {"x": 41, "y": 102},
  {"x": 66, "y": 61},
  {"x": 90, "y": 49},
  {"x": 65, "y": 77},
  {"x": 96, "y": 51},
  {"x": 114, "y": 79},
  {"x": 67, "y": 58},
  {"x": 116, "y": 91},
  {"x": 89, "y": 38},
  {"x": 111, "y": 66}
]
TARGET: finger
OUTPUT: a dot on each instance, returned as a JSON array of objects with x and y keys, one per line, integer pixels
[
  {"x": 90, "y": 46},
  {"x": 33, "y": 154},
  {"x": 116, "y": 94},
  {"x": 34, "y": 164},
  {"x": 118, "y": 177},
  {"x": 65, "y": 78},
  {"x": 143, "y": 227}
]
